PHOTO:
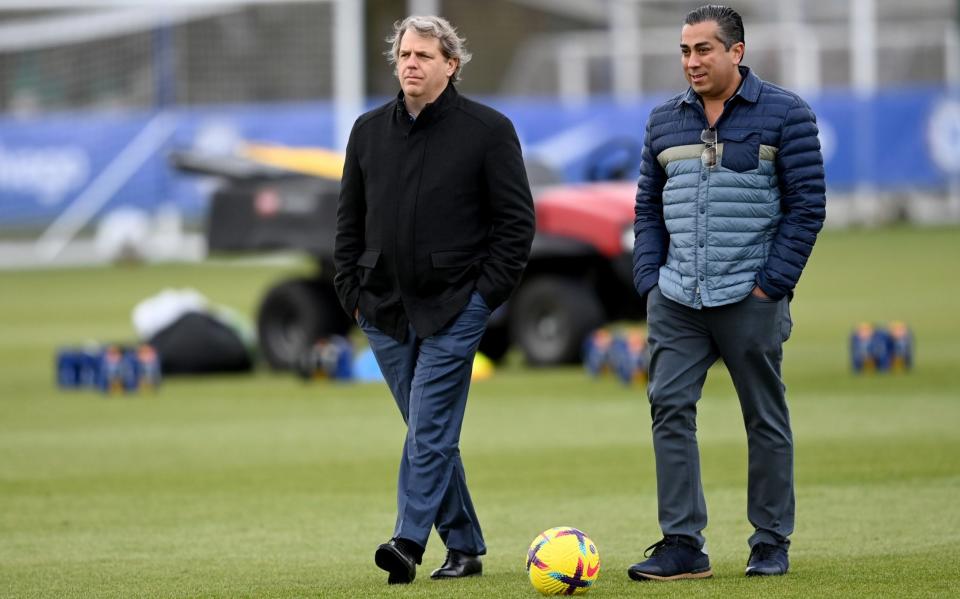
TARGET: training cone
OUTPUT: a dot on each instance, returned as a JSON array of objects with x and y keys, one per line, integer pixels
[{"x": 483, "y": 368}]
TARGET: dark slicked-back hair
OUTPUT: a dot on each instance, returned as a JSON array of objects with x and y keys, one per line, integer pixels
[{"x": 729, "y": 23}]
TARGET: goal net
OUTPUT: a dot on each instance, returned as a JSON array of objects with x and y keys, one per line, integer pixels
[{"x": 149, "y": 55}]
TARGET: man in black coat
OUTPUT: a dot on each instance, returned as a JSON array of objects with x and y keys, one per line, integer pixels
[{"x": 434, "y": 227}]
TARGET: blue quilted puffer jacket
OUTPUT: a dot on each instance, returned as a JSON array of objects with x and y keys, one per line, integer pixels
[{"x": 708, "y": 236}]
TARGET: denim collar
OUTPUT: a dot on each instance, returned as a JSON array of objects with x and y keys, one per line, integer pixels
[{"x": 749, "y": 89}]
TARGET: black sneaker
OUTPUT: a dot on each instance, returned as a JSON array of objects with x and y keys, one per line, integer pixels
[
  {"x": 672, "y": 559},
  {"x": 767, "y": 560}
]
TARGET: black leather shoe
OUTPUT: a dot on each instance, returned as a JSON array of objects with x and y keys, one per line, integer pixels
[
  {"x": 458, "y": 565},
  {"x": 401, "y": 565}
]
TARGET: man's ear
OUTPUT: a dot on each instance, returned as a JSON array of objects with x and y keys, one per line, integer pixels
[{"x": 738, "y": 50}]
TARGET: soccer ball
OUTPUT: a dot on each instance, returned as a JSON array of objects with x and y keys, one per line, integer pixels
[{"x": 563, "y": 561}]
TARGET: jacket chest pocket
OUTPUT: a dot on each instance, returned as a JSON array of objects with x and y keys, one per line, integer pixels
[{"x": 741, "y": 151}]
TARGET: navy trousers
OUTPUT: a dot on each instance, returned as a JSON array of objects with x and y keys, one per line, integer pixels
[
  {"x": 684, "y": 343},
  {"x": 429, "y": 379}
]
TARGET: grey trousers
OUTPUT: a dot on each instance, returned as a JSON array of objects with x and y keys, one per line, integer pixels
[{"x": 684, "y": 342}]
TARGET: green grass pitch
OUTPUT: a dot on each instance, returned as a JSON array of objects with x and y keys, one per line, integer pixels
[{"x": 264, "y": 486}]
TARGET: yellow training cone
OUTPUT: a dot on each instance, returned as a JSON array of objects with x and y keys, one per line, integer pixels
[{"x": 483, "y": 368}]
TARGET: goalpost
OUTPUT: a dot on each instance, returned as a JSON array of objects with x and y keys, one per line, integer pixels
[
  {"x": 57, "y": 55},
  {"x": 103, "y": 57}
]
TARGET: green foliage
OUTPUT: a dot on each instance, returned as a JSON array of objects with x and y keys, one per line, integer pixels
[{"x": 264, "y": 486}]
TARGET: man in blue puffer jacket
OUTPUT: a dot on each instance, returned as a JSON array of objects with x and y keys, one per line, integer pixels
[{"x": 729, "y": 203}]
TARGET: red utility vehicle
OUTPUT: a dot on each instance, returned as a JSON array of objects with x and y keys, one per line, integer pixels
[{"x": 579, "y": 276}]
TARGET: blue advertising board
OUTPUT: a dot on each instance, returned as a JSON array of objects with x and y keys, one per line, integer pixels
[{"x": 896, "y": 139}]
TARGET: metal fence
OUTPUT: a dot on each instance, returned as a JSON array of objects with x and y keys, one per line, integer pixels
[{"x": 150, "y": 57}]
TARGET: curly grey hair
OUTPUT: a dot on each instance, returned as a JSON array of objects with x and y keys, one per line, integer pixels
[{"x": 451, "y": 44}]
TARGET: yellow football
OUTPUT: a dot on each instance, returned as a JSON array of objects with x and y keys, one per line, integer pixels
[{"x": 563, "y": 561}]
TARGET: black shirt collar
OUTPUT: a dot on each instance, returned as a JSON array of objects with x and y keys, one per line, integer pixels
[{"x": 431, "y": 111}]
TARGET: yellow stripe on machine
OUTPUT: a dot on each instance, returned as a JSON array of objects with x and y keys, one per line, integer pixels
[{"x": 316, "y": 162}]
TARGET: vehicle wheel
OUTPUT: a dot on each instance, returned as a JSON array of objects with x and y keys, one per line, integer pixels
[
  {"x": 550, "y": 318},
  {"x": 293, "y": 315}
]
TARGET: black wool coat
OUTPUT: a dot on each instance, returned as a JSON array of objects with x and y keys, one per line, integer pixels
[{"x": 429, "y": 211}]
